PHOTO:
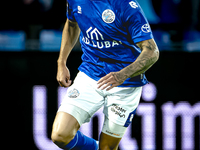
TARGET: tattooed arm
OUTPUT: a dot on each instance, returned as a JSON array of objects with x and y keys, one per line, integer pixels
[{"x": 145, "y": 60}]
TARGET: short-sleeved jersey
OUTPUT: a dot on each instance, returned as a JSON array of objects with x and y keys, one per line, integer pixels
[{"x": 110, "y": 30}]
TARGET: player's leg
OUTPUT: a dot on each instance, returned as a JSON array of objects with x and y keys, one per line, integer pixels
[
  {"x": 119, "y": 110},
  {"x": 65, "y": 132},
  {"x": 111, "y": 135},
  {"x": 108, "y": 142},
  {"x": 77, "y": 107}
]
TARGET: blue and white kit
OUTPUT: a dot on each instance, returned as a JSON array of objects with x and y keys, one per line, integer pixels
[{"x": 110, "y": 30}]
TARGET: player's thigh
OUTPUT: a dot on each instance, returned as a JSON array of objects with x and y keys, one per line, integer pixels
[
  {"x": 108, "y": 142},
  {"x": 121, "y": 105},
  {"x": 65, "y": 127}
]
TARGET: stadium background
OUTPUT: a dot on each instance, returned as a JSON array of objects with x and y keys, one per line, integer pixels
[{"x": 169, "y": 114}]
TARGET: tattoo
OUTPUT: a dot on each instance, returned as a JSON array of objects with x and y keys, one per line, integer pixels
[
  {"x": 149, "y": 45},
  {"x": 144, "y": 61},
  {"x": 119, "y": 77},
  {"x": 144, "y": 64}
]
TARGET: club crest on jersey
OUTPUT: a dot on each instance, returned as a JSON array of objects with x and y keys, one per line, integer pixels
[{"x": 108, "y": 16}]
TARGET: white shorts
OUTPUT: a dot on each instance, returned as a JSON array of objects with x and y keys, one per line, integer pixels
[{"x": 83, "y": 99}]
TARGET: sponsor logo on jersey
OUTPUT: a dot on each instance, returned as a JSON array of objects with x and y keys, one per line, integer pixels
[
  {"x": 146, "y": 28},
  {"x": 108, "y": 16},
  {"x": 73, "y": 93},
  {"x": 133, "y": 4},
  {"x": 79, "y": 9},
  {"x": 112, "y": 133},
  {"x": 95, "y": 37},
  {"x": 118, "y": 110}
]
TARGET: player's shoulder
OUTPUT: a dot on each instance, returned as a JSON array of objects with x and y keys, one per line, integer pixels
[{"x": 126, "y": 5}]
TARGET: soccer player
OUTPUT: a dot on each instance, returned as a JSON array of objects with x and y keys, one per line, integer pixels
[{"x": 118, "y": 48}]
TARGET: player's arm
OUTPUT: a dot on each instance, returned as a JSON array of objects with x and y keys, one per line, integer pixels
[
  {"x": 70, "y": 35},
  {"x": 134, "y": 18},
  {"x": 145, "y": 60}
]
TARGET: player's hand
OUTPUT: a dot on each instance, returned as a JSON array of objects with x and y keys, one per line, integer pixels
[
  {"x": 110, "y": 81},
  {"x": 63, "y": 76}
]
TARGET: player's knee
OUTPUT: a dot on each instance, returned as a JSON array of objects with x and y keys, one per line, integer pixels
[{"x": 60, "y": 139}]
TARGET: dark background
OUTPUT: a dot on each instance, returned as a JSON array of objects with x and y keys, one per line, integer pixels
[
  {"x": 175, "y": 77},
  {"x": 177, "y": 17},
  {"x": 175, "y": 74}
]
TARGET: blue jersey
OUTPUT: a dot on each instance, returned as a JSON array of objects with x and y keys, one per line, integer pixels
[{"x": 110, "y": 30}]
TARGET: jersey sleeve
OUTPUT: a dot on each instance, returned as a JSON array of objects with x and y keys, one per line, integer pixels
[
  {"x": 69, "y": 12},
  {"x": 136, "y": 22}
]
